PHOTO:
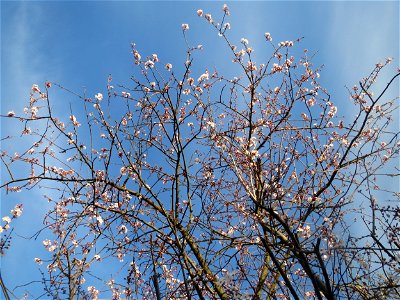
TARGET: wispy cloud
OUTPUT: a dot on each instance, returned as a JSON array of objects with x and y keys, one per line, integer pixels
[
  {"x": 362, "y": 34},
  {"x": 21, "y": 67}
]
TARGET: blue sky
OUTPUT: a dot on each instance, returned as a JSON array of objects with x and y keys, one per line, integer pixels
[{"x": 79, "y": 43}]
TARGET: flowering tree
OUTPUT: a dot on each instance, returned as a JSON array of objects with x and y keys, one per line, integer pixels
[{"x": 199, "y": 186}]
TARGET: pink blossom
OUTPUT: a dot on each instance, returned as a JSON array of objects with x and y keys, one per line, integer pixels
[
  {"x": 304, "y": 116},
  {"x": 17, "y": 211},
  {"x": 123, "y": 229},
  {"x": 244, "y": 41},
  {"x": 74, "y": 121},
  {"x": 185, "y": 27},
  {"x": 199, "y": 12},
  {"x": 11, "y": 113},
  {"x": 125, "y": 94},
  {"x": 345, "y": 141},
  {"x": 149, "y": 64},
  {"x": 251, "y": 66},
  {"x": 27, "y": 131},
  {"x": 305, "y": 231},
  {"x": 120, "y": 256},
  {"x": 34, "y": 110},
  {"x": 137, "y": 55},
  {"x": 276, "y": 68},
  {"x": 168, "y": 67},
  {"x": 190, "y": 81},
  {"x": 225, "y": 8},
  {"x": 47, "y": 243},
  {"x": 309, "y": 294},
  {"x": 211, "y": 124},
  {"x": 199, "y": 89},
  {"x": 332, "y": 111},
  {"x": 208, "y": 18},
  {"x": 93, "y": 292},
  {"x": 123, "y": 170},
  {"x": 311, "y": 101},
  {"x": 286, "y": 44},
  {"x": 35, "y": 88},
  {"x": 268, "y": 36},
  {"x": 15, "y": 189}
]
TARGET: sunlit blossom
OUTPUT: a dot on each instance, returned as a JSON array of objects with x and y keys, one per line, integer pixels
[
  {"x": 99, "y": 96},
  {"x": 211, "y": 124},
  {"x": 99, "y": 220},
  {"x": 205, "y": 164},
  {"x": 97, "y": 257},
  {"x": 204, "y": 76},
  {"x": 6, "y": 219},
  {"x": 74, "y": 121}
]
